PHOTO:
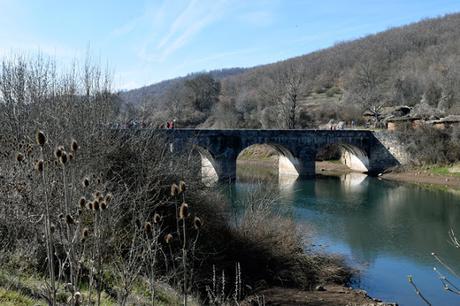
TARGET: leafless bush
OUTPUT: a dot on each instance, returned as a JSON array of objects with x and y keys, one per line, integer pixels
[{"x": 444, "y": 145}]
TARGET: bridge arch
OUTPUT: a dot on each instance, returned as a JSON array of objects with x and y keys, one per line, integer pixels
[
  {"x": 350, "y": 155},
  {"x": 287, "y": 164}
]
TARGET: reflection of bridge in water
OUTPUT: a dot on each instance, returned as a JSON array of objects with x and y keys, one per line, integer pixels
[{"x": 219, "y": 149}]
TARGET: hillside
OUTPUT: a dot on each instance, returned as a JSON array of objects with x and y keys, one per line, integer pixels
[
  {"x": 416, "y": 65},
  {"x": 135, "y": 96}
]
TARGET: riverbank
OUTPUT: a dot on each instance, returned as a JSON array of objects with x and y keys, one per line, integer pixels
[
  {"x": 438, "y": 177},
  {"x": 331, "y": 295},
  {"x": 425, "y": 177}
]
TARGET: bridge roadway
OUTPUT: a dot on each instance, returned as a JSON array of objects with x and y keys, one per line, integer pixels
[{"x": 362, "y": 151}]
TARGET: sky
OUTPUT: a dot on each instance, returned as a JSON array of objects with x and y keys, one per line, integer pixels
[{"x": 144, "y": 42}]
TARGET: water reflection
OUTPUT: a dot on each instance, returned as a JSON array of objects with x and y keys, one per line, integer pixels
[{"x": 389, "y": 228}]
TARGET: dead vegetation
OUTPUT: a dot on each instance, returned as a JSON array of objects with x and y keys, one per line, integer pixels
[{"x": 103, "y": 216}]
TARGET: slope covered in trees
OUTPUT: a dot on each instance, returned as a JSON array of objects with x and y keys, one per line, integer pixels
[{"x": 416, "y": 65}]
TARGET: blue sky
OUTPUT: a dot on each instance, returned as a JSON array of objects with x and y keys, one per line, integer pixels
[{"x": 149, "y": 41}]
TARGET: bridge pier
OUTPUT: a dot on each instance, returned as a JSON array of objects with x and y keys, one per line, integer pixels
[
  {"x": 226, "y": 169},
  {"x": 305, "y": 165}
]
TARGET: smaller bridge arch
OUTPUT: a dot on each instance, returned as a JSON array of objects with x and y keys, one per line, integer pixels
[{"x": 352, "y": 156}]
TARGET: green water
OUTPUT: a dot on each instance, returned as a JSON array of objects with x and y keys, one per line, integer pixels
[{"x": 386, "y": 230}]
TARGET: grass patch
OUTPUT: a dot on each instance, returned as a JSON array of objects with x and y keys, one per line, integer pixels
[
  {"x": 25, "y": 290},
  {"x": 12, "y": 297},
  {"x": 443, "y": 170}
]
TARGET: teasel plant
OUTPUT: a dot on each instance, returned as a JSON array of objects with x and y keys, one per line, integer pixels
[
  {"x": 99, "y": 209},
  {"x": 217, "y": 295},
  {"x": 69, "y": 224},
  {"x": 185, "y": 237},
  {"x": 183, "y": 215},
  {"x": 41, "y": 141}
]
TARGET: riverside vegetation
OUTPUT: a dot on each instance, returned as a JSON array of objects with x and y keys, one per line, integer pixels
[{"x": 93, "y": 217}]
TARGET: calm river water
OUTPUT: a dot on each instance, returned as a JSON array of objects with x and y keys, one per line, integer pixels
[{"x": 386, "y": 230}]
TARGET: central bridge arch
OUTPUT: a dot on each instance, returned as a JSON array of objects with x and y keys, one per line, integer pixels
[{"x": 285, "y": 162}]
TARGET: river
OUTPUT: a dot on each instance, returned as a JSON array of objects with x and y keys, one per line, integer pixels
[{"x": 384, "y": 229}]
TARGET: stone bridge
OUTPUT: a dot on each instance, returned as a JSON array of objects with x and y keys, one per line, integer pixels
[{"x": 361, "y": 150}]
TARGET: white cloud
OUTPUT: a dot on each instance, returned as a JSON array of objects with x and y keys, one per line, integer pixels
[{"x": 189, "y": 22}]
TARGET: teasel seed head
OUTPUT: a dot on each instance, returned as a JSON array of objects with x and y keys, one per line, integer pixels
[
  {"x": 85, "y": 182},
  {"x": 61, "y": 216},
  {"x": 182, "y": 187},
  {"x": 69, "y": 220},
  {"x": 148, "y": 228},
  {"x": 64, "y": 158},
  {"x": 100, "y": 198},
  {"x": 79, "y": 211},
  {"x": 108, "y": 198},
  {"x": 89, "y": 205},
  {"x": 40, "y": 138},
  {"x": 19, "y": 157},
  {"x": 174, "y": 189},
  {"x": 168, "y": 238},
  {"x": 73, "y": 145},
  {"x": 58, "y": 151},
  {"x": 197, "y": 223},
  {"x": 82, "y": 202},
  {"x": 85, "y": 232},
  {"x": 183, "y": 211},
  {"x": 96, "y": 195},
  {"x": 40, "y": 165},
  {"x": 103, "y": 205},
  {"x": 70, "y": 156},
  {"x": 52, "y": 228},
  {"x": 156, "y": 218},
  {"x": 96, "y": 205}
]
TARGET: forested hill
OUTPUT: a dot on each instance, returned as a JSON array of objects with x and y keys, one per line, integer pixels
[
  {"x": 136, "y": 96},
  {"x": 416, "y": 65}
]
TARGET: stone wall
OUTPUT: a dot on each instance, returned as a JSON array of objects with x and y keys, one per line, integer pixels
[{"x": 393, "y": 146}]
